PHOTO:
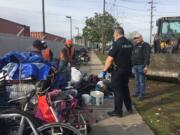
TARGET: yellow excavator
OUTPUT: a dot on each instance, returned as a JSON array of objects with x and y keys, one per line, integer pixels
[
  {"x": 167, "y": 39},
  {"x": 165, "y": 61}
]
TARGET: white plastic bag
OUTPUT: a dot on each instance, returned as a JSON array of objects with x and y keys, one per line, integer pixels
[{"x": 75, "y": 75}]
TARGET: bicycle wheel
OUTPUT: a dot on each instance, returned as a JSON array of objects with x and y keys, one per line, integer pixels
[
  {"x": 57, "y": 129},
  {"x": 8, "y": 127},
  {"x": 16, "y": 122},
  {"x": 77, "y": 120}
]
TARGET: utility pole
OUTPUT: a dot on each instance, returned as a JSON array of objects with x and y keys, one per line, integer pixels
[
  {"x": 85, "y": 38},
  {"x": 151, "y": 20},
  {"x": 77, "y": 28},
  {"x": 43, "y": 17},
  {"x": 77, "y": 37},
  {"x": 70, "y": 25},
  {"x": 103, "y": 28}
]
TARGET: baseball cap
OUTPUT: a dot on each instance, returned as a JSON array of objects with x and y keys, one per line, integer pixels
[
  {"x": 39, "y": 44},
  {"x": 44, "y": 44}
]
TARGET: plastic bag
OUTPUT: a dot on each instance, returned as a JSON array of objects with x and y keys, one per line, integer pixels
[
  {"x": 76, "y": 75},
  {"x": 43, "y": 107},
  {"x": 45, "y": 110}
]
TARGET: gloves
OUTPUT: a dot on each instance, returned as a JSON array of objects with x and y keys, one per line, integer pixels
[{"x": 102, "y": 75}]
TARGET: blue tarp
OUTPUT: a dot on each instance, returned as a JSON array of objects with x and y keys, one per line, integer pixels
[
  {"x": 21, "y": 57},
  {"x": 22, "y": 65}
]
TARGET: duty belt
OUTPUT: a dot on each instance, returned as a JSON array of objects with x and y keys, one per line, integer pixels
[
  {"x": 116, "y": 67},
  {"x": 113, "y": 68}
]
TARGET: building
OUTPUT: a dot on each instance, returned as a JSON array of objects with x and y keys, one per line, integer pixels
[
  {"x": 47, "y": 36},
  {"x": 10, "y": 27},
  {"x": 80, "y": 40}
]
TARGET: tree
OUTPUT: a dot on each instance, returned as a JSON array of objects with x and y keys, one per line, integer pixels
[{"x": 93, "y": 31}]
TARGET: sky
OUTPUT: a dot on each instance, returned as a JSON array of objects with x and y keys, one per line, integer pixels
[{"x": 133, "y": 15}]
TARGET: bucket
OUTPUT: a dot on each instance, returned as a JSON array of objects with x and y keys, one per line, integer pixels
[
  {"x": 97, "y": 98},
  {"x": 86, "y": 99}
]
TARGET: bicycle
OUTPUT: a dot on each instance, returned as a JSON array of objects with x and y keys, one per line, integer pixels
[
  {"x": 25, "y": 123},
  {"x": 45, "y": 129}
]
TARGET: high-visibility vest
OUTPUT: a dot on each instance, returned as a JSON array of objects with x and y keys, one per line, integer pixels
[
  {"x": 67, "y": 53},
  {"x": 46, "y": 54}
]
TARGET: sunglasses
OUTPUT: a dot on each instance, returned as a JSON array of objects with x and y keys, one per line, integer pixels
[{"x": 136, "y": 38}]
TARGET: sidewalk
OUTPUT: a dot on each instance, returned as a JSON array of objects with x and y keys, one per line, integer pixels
[{"x": 127, "y": 125}]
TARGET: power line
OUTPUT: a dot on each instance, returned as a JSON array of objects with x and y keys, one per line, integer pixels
[
  {"x": 113, "y": 5},
  {"x": 169, "y": 12},
  {"x": 136, "y": 20},
  {"x": 134, "y": 9},
  {"x": 112, "y": 8},
  {"x": 134, "y": 1},
  {"x": 136, "y": 13},
  {"x": 78, "y": 18}
]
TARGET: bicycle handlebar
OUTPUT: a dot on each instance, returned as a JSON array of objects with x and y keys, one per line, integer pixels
[{"x": 27, "y": 97}]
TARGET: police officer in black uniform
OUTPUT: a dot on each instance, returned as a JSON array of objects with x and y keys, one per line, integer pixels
[{"x": 120, "y": 56}]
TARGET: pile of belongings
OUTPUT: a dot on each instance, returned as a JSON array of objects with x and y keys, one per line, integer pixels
[
  {"x": 104, "y": 85},
  {"x": 25, "y": 71},
  {"x": 24, "y": 65}
]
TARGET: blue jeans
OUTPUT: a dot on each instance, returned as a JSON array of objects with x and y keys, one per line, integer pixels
[{"x": 140, "y": 80}]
